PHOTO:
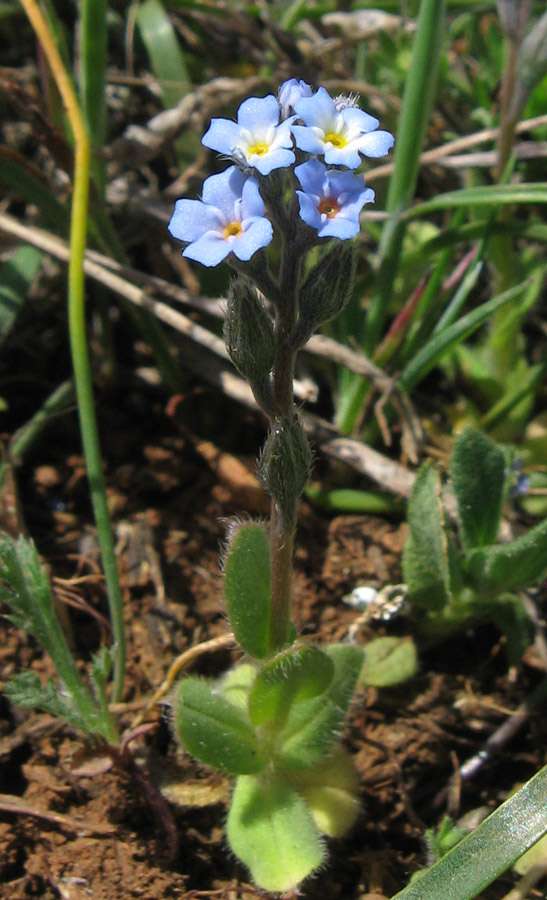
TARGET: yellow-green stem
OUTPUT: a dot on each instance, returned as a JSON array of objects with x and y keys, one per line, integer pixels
[{"x": 77, "y": 330}]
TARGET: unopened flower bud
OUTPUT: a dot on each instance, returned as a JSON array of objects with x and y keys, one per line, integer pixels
[
  {"x": 324, "y": 292},
  {"x": 285, "y": 464},
  {"x": 249, "y": 337}
]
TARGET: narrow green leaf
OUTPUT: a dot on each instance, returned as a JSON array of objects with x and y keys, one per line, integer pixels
[
  {"x": 293, "y": 676},
  {"x": 166, "y": 57},
  {"x": 247, "y": 589},
  {"x": 441, "y": 344},
  {"x": 505, "y": 567},
  {"x": 16, "y": 277},
  {"x": 93, "y": 47},
  {"x": 487, "y": 195},
  {"x": 477, "y": 470},
  {"x": 426, "y": 568},
  {"x": 485, "y": 854},
  {"x": 271, "y": 830},
  {"x": 214, "y": 730},
  {"x": 313, "y": 726}
]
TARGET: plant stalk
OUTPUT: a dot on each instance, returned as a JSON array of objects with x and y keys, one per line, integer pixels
[
  {"x": 282, "y": 525},
  {"x": 77, "y": 332}
]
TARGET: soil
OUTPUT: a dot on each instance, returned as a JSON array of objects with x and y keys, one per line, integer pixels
[{"x": 74, "y": 837}]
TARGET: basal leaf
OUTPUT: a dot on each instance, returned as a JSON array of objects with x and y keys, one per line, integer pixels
[
  {"x": 426, "y": 568},
  {"x": 313, "y": 726},
  {"x": 247, "y": 589},
  {"x": 330, "y": 791},
  {"x": 214, "y": 730},
  {"x": 477, "y": 470},
  {"x": 505, "y": 567},
  {"x": 270, "y": 829},
  {"x": 291, "y": 677}
]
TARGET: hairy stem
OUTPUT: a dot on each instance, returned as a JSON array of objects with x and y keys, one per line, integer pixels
[{"x": 283, "y": 521}]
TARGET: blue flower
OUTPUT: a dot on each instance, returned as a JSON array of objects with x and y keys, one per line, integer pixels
[
  {"x": 289, "y": 92},
  {"x": 339, "y": 132},
  {"x": 257, "y": 139},
  {"x": 331, "y": 200},
  {"x": 229, "y": 219}
]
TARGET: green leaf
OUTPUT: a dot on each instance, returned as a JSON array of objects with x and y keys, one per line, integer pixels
[
  {"x": 504, "y": 567},
  {"x": 491, "y": 195},
  {"x": 16, "y": 277},
  {"x": 483, "y": 855},
  {"x": 247, "y": 589},
  {"x": 214, "y": 730},
  {"x": 163, "y": 48},
  {"x": 236, "y": 684},
  {"x": 388, "y": 661},
  {"x": 271, "y": 830},
  {"x": 426, "y": 568},
  {"x": 293, "y": 676},
  {"x": 330, "y": 790},
  {"x": 440, "y": 344},
  {"x": 477, "y": 470},
  {"x": 509, "y": 614},
  {"x": 312, "y": 726}
]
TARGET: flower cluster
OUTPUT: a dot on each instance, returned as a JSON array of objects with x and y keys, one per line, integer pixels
[{"x": 271, "y": 134}]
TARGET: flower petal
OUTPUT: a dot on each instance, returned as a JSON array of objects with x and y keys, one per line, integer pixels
[
  {"x": 192, "y": 218},
  {"x": 311, "y": 140},
  {"x": 275, "y": 159},
  {"x": 210, "y": 249},
  {"x": 317, "y": 110},
  {"x": 342, "y": 156},
  {"x": 255, "y": 235},
  {"x": 224, "y": 189},
  {"x": 252, "y": 203},
  {"x": 311, "y": 176},
  {"x": 339, "y": 227},
  {"x": 258, "y": 113},
  {"x": 375, "y": 144},
  {"x": 358, "y": 120},
  {"x": 308, "y": 210},
  {"x": 222, "y": 135}
]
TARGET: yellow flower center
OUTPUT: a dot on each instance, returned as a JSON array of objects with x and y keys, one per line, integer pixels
[
  {"x": 234, "y": 229},
  {"x": 258, "y": 149},
  {"x": 337, "y": 140},
  {"x": 328, "y": 207}
]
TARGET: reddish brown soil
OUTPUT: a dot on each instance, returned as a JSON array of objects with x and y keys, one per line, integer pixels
[{"x": 76, "y": 837}]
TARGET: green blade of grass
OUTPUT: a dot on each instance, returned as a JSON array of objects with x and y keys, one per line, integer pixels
[
  {"x": 487, "y": 195},
  {"x": 440, "y": 344},
  {"x": 16, "y": 277},
  {"x": 92, "y": 72},
  {"x": 496, "y": 844},
  {"x": 417, "y": 103},
  {"x": 166, "y": 57}
]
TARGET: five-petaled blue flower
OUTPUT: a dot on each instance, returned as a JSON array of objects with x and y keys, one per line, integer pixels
[
  {"x": 340, "y": 135},
  {"x": 331, "y": 200},
  {"x": 257, "y": 139},
  {"x": 228, "y": 219}
]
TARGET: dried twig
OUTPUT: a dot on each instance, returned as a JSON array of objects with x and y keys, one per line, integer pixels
[{"x": 9, "y": 803}]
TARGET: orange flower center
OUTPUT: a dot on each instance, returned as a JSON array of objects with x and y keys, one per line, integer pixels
[{"x": 328, "y": 207}]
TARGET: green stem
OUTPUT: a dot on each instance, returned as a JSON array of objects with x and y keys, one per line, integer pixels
[
  {"x": 282, "y": 525},
  {"x": 77, "y": 334}
]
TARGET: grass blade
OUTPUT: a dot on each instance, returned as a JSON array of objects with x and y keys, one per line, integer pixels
[{"x": 496, "y": 844}]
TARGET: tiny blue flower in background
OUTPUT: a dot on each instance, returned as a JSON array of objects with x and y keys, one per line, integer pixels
[
  {"x": 291, "y": 91},
  {"x": 331, "y": 200},
  {"x": 257, "y": 139},
  {"x": 338, "y": 134},
  {"x": 228, "y": 219}
]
